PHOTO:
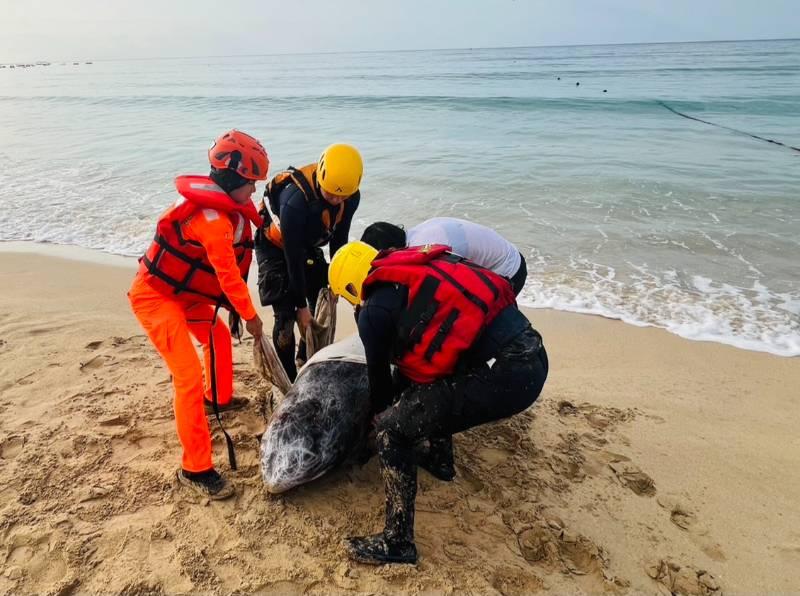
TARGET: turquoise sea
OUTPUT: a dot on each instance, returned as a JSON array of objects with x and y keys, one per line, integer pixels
[{"x": 621, "y": 207}]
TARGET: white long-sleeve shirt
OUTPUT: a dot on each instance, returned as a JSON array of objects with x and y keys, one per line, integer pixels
[{"x": 481, "y": 245}]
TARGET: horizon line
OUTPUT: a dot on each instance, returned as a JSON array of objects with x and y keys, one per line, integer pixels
[{"x": 409, "y": 50}]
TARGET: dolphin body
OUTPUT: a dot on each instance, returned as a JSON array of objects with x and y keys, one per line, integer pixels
[{"x": 321, "y": 419}]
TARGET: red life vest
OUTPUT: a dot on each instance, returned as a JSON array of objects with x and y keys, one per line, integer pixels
[
  {"x": 450, "y": 302},
  {"x": 174, "y": 265}
]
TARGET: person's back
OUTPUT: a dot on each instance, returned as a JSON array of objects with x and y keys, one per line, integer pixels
[{"x": 481, "y": 245}]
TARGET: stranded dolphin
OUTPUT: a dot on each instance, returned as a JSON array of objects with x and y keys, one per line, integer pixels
[{"x": 320, "y": 420}]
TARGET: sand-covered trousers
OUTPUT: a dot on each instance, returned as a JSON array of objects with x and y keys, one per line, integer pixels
[
  {"x": 170, "y": 325},
  {"x": 479, "y": 394}
]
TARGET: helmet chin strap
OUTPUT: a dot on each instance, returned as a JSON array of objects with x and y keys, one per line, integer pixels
[{"x": 228, "y": 179}]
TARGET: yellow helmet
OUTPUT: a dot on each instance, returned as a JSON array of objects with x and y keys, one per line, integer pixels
[
  {"x": 339, "y": 170},
  {"x": 349, "y": 268}
]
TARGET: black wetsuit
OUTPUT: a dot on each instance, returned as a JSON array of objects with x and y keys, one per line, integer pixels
[
  {"x": 502, "y": 375},
  {"x": 291, "y": 277}
]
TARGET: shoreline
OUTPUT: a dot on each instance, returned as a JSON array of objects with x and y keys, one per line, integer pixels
[
  {"x": 69, "y": 252},
  {"x": 77, "y": 253}
]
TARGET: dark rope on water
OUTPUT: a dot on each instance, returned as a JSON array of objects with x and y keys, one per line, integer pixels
[{"x": 737, "y": 131}]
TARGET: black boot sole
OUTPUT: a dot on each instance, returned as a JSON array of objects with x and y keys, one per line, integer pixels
[{"x": 382, "y": 561}]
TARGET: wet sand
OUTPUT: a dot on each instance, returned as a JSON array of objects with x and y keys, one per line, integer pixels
[{"x": 650, "y": 463}]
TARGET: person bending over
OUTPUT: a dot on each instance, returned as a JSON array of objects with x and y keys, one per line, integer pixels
[
  {"x": 466, "y": 356},
  {"x": 304, "y": 209},
  {"x": 198, "y": 262},
  {"x": 481, "y": 245}
]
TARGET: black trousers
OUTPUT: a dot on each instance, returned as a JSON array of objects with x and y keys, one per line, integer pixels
[
  {"x": 273, "y": 290},
  {"x": 518, "y": 279},
  {"x": 474, "y": 396}
]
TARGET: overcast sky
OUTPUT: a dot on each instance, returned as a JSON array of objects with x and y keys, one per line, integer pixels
[{"x": 107, "y": 29}]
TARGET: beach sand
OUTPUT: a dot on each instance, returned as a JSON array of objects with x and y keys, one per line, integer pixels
[{"x": 650, "y": 463}]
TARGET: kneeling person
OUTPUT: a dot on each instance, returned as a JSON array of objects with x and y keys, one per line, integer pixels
[
  {"x": 469, "y": 357},
  {"x": 481, "y": 245}
]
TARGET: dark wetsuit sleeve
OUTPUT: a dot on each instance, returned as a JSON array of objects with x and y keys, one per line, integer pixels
[
  {"x": 342, "y": 233},
  {"x": 293, "y": 215},
  {"x": 377, "y": 328}
]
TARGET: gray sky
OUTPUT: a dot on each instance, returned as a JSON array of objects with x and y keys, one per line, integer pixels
[{"x": 103, "y": 29}]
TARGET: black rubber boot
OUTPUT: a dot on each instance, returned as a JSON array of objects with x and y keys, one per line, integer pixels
[
  {"x": 300, "y": 359},
  {"x": 236, "y": 403},
  {"x": 376, "y": 550},
  {"x": 283, "y": 340},
  {"x": 209, "y": 484},
  {"x": 396, "y": 543},
  {"x": 436, "y": 456}
]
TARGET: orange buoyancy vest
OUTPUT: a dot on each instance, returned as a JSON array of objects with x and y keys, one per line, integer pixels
[
  {"x": 450, "y": 302},
  {"x": 175, "y": 265},
  {"x": 305, "y": 179}
]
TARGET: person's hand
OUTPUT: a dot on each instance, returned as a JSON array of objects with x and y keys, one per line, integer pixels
[
  {"x": 303, "y": 318},
  {"x": 255, "y": 327}
]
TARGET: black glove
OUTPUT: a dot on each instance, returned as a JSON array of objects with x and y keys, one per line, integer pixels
[{"x": 235, "y": 324}]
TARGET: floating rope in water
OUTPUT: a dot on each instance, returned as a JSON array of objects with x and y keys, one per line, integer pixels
[{"x": 737, "y": 131}]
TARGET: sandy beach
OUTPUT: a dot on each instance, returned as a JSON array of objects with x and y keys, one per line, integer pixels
[{"x": 650, "y": 464}]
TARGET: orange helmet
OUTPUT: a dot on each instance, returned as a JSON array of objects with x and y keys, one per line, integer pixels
[{"x": 241, "y": 153}]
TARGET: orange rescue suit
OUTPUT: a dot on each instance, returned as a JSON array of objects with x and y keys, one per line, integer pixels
[{"x": 199, "y": 258}]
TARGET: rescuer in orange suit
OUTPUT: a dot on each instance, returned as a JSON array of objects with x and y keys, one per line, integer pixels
[{"x": 198, "y": 262}]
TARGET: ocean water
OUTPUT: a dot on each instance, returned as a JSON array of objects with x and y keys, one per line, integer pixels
[{"x": 620, "y": 207}]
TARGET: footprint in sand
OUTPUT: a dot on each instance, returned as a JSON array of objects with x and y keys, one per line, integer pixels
[
  {"x": 682, "y": 580},
  {"x": 534, "y": 544},
  {"x": 469, "y": 479},
  {"x": 680, "y": 513},
  {"x": 27, "y": 379},
  {"x": 556, "y": 547},
  {"x": 94, "y": 493},
  {"x": 251, "y": 471},
  {"x": 598, "y": 417},
  {"x": 134, "y": 343},
  {"x": 97, "y": 362},
  {"x": 346, "y": 577},
  {"x": 194, "y": 564},
  {"x": 142, "y": 587},
  {"x": 117, "y": 420},
  {"x": 570, "y": 468},
  {"x": 567, "y": 408},
  {"x": 495, "y": 456},
  {"x": 11, "y": 447},
  {"x": 457, "y": 551},
  {"x": 512, "y": 580},
  {"x": 630, "y": 476},
  {"x": 684, "y": 517},
  {"x": 42, "y": 566},
  {"x": 570, "y": 463}
]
